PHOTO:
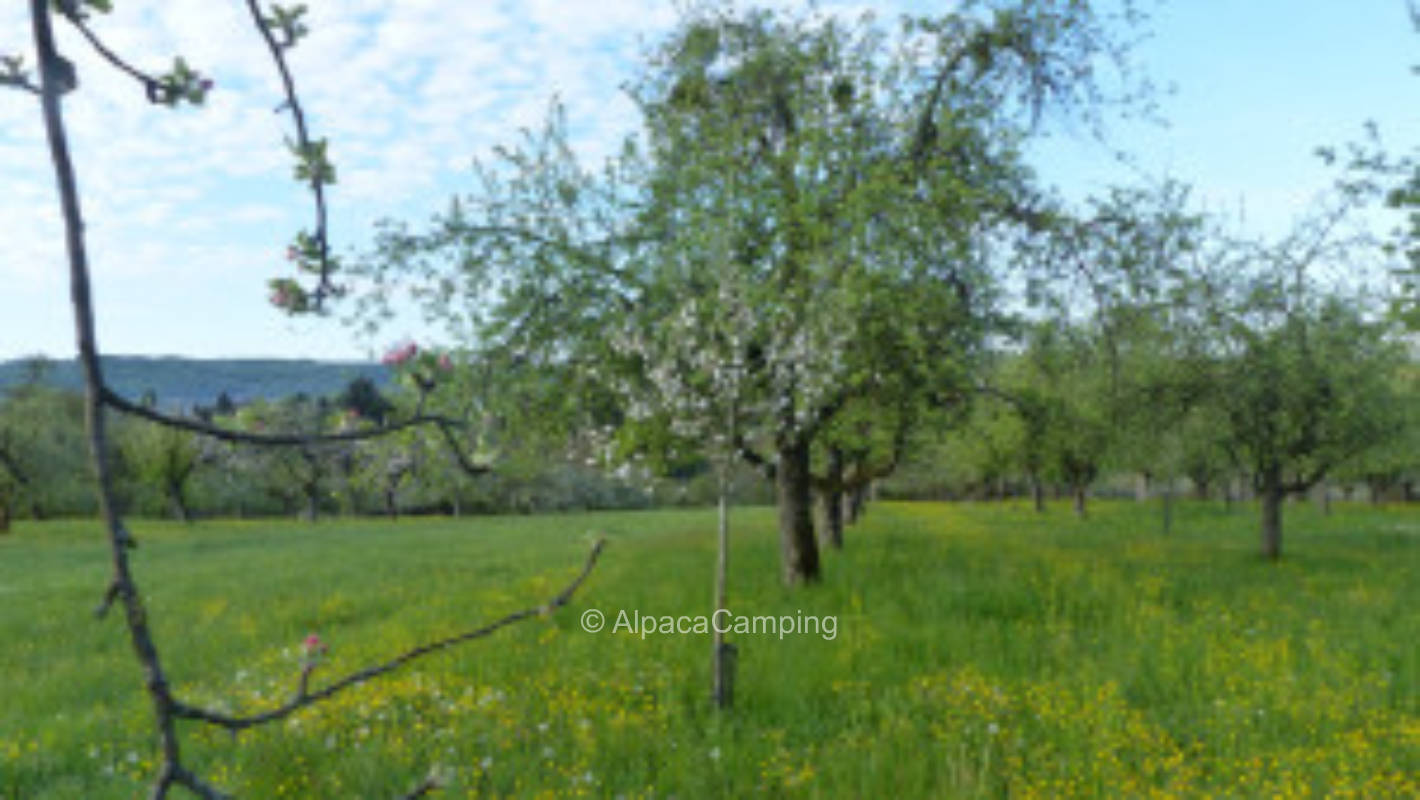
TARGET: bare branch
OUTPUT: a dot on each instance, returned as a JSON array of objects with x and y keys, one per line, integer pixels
[
  {"x": 110, "y": 595},
  {"x": 15, "y": 76},
  {"x": 429, "y": 784},
  {"x": 464, "y": 462},
  {"x": 120, "y": 403},
  {"x": 303, "y": 698},
  {"x": 151, "y": 85}
]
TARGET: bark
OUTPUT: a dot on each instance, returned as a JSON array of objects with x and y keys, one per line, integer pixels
[
  {"x": 1273, "y": 494},
  {"x": 1037, "y": 491},
  {"x": 4, "y": 516},
  {"x": 1079, "y": 492},
  {"x": 797, "y": 545}
]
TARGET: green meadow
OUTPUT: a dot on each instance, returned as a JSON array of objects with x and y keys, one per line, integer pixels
[{"x": 981, "y": 650}]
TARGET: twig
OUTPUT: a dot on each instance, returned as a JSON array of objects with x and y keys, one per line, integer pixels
[
  {"x": 303, "y": 141},
  {"x": 429, "y": 784},
  {"x": 304, "y": 698},
  {"x": 151, "y": 86}
]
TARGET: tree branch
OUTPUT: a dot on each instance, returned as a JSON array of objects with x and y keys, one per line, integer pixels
[
  {"x": 754, "y": 458},
  {"x": 119, "y": 403},
  {"x": 304, "y": 698},
  {"x": 465, "y": 463},
  {"x": 152, "y": 87},
  {"x": 324, "y": 287}
]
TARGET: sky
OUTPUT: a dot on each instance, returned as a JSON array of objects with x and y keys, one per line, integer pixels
[{"x": 188, "y": 212}]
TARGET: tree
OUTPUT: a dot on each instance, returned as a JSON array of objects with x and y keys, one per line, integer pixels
[
  {"x": 852, "y": 178},
  {"x": 41, "y": 451},
  {"x": 363, "y": 397},
  {"x": 165, "y": 459},
  {"x": 1064, "y": 406},
  {"x": 1304, "y": 373}
]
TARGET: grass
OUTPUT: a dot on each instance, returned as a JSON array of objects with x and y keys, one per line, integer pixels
[{"x": 981, "y": 651}]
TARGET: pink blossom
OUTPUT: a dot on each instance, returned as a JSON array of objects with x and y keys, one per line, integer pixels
[
  {"x": 445, "y": 363},
  {"x": 291, "y": 253},
  {"x": 313, "y": 644},
  {"x": 398, "y": 355}
]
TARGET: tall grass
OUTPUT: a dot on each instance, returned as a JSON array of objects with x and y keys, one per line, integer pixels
[{"x": 981, "y": 651}]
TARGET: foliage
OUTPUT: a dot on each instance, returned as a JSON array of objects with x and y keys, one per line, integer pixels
[{"x": 42, "y": 453}]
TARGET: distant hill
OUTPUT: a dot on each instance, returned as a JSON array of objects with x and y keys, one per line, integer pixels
[{"x": 182, "y": 383}]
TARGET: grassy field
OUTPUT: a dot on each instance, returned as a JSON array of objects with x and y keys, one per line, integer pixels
[{"x": 980, "y": 651}]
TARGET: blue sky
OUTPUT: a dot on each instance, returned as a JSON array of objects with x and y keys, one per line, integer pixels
[{"x": 189, "y": 212}]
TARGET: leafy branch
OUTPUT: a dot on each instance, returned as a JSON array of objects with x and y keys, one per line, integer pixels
[{"x": 311, "y": 250}]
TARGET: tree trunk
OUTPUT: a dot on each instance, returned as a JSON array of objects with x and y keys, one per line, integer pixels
[
  {"x": 857, "y": 498},
  {"x": 1141, "y": 486},
  {"x": 831, "y": 500},
  {"x": 1323, "y": 498},
  {"x": 722, "y": 680},
  {"x": 1272, "y": 497},
  {"x": 797, "y": 546},
  {"x": 1200, "y": 487},
  {"x": 4, "y": 516},
  {"x": 1080, "y": 500},
  {"x": 178, "y": 503},
  {"x": 1037, "y": 492},
  {"x": 312, "y": 506},
  {"x": 1168, "y": 507}
]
